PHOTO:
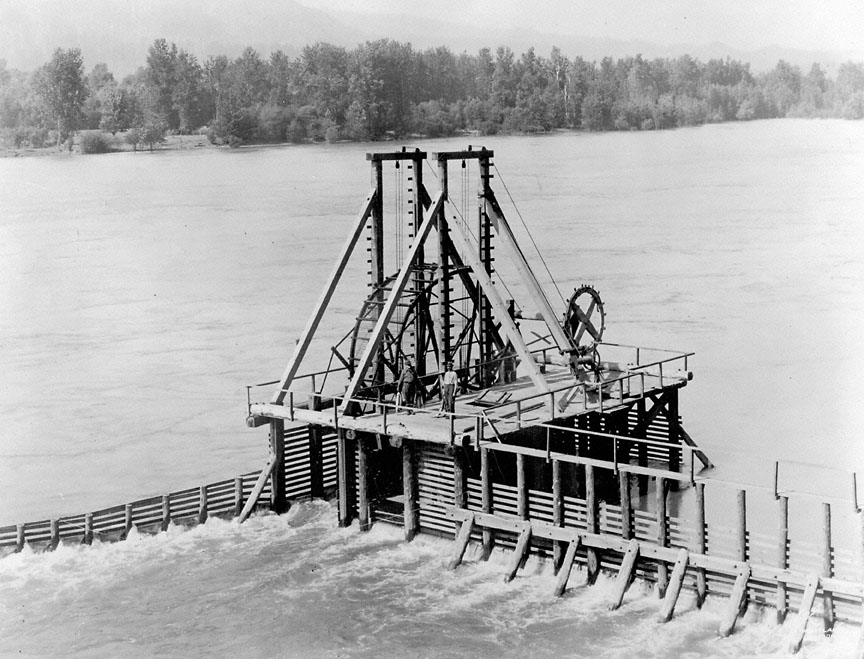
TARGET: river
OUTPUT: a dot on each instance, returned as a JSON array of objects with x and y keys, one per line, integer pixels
[{"x": 140, "y": 293}]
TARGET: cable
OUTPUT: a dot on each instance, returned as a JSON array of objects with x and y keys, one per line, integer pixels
[{"x": 528, "y": 231}]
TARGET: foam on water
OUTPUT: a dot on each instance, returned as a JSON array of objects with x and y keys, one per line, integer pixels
[{"x": 297, "y": 585}]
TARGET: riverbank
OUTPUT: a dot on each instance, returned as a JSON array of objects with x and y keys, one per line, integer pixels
[{"x": 118, "y": 145}]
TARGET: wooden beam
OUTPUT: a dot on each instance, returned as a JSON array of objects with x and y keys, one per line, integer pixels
[
  {"x": 593, "y": 522},
  {"x": 535, "y": 291},
  {"x": 674, "y": 588},
  {"x": 409, "y": 486},
  {"x": 344, "y": 464},
  {"x": 252, "y": 501},
  {"x": 507, "y": 325},
  {"x": 625, "y": 574},
  {"x": 462, "y": 542},
  {"x": 662, "y": 534},
  {"x": 324, "y": 300},
  {"x": 699, "y": 453},
  {"x": 278, "y": 501},
  {"x": 398, "y": 288},
  {"x": 363, "y": 485},
  {"x": 827, "y": 569},
  {"x": 781, "y": 603},
  {"x": 626, "y": 505},
  {"x": 701, "y": 544},
  {"x": 557, "y": 512},
  {"x": 736, "y": 601},
  {"x": 519, "y": 553},
  {"x": 566, "y": 567},
  {"x": 486, "y": 500},
  {"x": 796, "y": 638}
]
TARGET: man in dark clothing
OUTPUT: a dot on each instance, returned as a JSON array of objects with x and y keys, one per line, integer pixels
[{"x": 406, "y": 386}]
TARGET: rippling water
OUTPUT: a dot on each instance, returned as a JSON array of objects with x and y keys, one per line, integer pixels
[{"x": 139, "y": 293}]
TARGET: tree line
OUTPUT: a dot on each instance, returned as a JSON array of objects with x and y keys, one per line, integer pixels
[{"x": 385, "y": 88}]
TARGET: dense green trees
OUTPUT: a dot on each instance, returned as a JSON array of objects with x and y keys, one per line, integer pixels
[{"x": 385, "y": 88}]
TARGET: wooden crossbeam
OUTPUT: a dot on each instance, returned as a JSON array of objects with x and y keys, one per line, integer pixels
[{"x": 324, "y": 300}]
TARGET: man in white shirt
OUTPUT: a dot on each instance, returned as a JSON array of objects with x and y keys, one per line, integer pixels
[{"x": 449, "y": 383}]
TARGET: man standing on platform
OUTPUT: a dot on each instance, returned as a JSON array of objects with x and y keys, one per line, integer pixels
[
  {"x": 405, "y": 387},
  {"x": 449, "y": 383}
]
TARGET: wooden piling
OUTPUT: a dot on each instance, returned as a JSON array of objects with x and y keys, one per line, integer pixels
[
  {"x": 662, "y": 534},
  {"x": 316, "y": 462},
  {"x": 202, "y": 504},
  {"x": 701, "y": 544},
  {"x": 409, "y": 482},
  {"x": 278, "y": 500},
  {"x": 127, "y": 522},
  {"x": 238, "y": 496},
  {"x": 55, "y": 534},
  {"x": 642, "y": 449},
  {"x": 592, "y": 522},
  {"x": 626, "y": 506},
  {"x": 827, "y": 569},
  {"x": 796, "y": 637},
  {"x": 675, "y": 583},
  {"x": 166, "y": 512},
  {"x": 19, "y": 538},
  {"x": 557, "y": 513},
  {"x": 741, "y": 526},
  {"x": 362, "y": 485},
  {"x": 736, "y": 601},
  {"x": 782, "y": 599},
  {"x": 625, "y": 574},
  {"x": 486, "y": 501},
  {"x": 521, "y": 488},
  {"x": 88, "y": 529},
  {"x": 566, "y": 566},
  {"x": 344, "y": 464},
  {"x": 519, "y": 553},
  {"x": 462, "y": 542}
]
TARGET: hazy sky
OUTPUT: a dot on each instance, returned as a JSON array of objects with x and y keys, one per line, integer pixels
[{"x": 747, "y": 24}]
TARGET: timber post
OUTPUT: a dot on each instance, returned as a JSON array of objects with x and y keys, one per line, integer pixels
[
  {"x": 127, "y": 522},
  {"x": 741, "y": 550},
  {"x": 344, "y": 464},
  {"x": 674, "y": 425},
  {"x": 642, "y": 449},
  {"x": 238, "y": 497},
  {"x": 362, "y": 485},
  {"x": 88, "y": 529},
  {"x": 443, "y": 285},
  {"x": 19, "y": 538},
  {"x": 557, "y": 513},
  {"x": 55, "y": 534},
  {"x": 626, "y": 505},
  {"x": 701, "y": 544},
  {"x": 662, "y": 535},
  {"x": 409, "y": 483},
  {"x": 316, "y": 462},
  {"x": 202, "y": 504},
  {"x": 827, "y": 569},
  {"x": 486, "y": 500},
  {"x": 782, "y": 557},
  {"x": 593, "y": 522},
  {"x": 278, "y": 502},
  {"x": 521, "y": 488},
  {"x": 166, "y": 512}
]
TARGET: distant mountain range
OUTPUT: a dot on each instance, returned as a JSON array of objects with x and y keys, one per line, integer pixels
[{"x": 119, "y": 33}]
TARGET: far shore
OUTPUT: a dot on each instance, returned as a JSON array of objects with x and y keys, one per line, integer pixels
[{"x": 171, "y": 143}]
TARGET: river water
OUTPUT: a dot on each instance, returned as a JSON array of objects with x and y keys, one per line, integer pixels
[{"x": 140, "y": 293}]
